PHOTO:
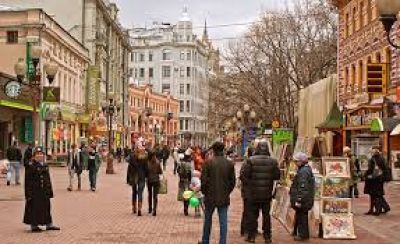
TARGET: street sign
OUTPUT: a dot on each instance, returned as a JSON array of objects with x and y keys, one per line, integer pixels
[
  {"x": 51, "y": 94},
  {"x": 276, "y": 124},
  {"x": 377, "y": 78}
]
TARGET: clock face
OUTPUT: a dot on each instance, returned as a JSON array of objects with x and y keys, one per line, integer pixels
[{"x": 12, "y": 89}]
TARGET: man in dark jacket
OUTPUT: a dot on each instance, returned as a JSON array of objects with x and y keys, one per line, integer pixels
[
  {"x": 75, "y": 166},
  {"x": 38, "y": 191},
  {"x": 28, "y": 154},
  {"x": 165, "y": 156},
  {"x": 14, "y": 156},
  {"x": 302, "y": 196},
  {"x": 259, "y": 174},
  {"x": 217, "y": 183}
]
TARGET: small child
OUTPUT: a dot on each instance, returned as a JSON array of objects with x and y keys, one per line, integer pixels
[
  {"x": 6, "y": 169},
  {"x": 195, "y": 186}
]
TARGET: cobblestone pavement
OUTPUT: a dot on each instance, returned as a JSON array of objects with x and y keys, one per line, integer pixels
[{"x": 105, "y": 216}]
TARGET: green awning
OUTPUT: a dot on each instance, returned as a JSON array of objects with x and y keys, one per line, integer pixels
[
  {"x": 384, "y": 125},
  {"x": 68, "y": 116},
  {"x": 16, "y": 104},
  {"x": 334, "y": 119},
  {"x": 84, "y": 118}
]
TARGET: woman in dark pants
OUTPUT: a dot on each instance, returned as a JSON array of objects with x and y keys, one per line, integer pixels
[
  {"x": 136, "y": 177},
  {"x": 153, "y": 182},
  {"x": 374, "y": 182}
]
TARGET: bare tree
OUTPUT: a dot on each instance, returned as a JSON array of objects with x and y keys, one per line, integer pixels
[{"x": 282, "y": 53}]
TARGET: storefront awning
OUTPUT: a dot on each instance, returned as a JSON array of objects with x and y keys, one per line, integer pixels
[
  {"x": 384, "y": 125},
  {"x": 84, "y": 118},
  {"x": 333, "y": 121},
  {"x": 68, "y": 116},
  {"x": 16, "y": 104}
]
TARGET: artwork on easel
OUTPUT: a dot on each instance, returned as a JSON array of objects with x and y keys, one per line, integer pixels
[
  {"x": 336, "y": 167},
  {"x": 335, "y": 187},
  {"x": 290, "y": 173},
  {"x": 338, "y": 226},
  {"x": 316, "y": 166},
  {"x": 318, "y": 186},
  {"x": 336, "y": 206}
]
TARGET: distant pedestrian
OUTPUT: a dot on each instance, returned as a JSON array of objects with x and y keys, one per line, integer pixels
[
  {"x": 75, "y": 166},
  {"x": 185, "y": 170},
  {"x": 245, "y": 194},
  {"x": 153, "y": 182},
  {"x": 217, "y": 182},
  {"x": 375, "y": 177},
  {"x": 259, "y": 174},
  {"x": 175, "y": 156},
  {"x": 93, "y": 165},
  {"x": 302, "y": 196},
  {"x": 355, "y": 172},
  {"x": 14, "y": 156},
  {"x": 165, "y": 155},
  {"x": 28, "y": 154},
  {"x": 38, "y": 191},
  {"x": 136, "y": 176}
]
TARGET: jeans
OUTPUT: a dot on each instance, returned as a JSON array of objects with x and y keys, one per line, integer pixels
[
  {"x": 14, "y": 170},
  {"x": 71, "y": 173},
  {"x": 301, "y": 224},
  {"x": 92, "y": 177},
  {"x": 254, "y": 211},
  {"x": 137, "y": 191},
  {"x": 223, "y": 222},
  {"x": 153, "y": 189},
  {"x": 164, "y": 162}
]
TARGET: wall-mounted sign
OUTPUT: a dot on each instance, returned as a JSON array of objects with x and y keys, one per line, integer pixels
[
  {"x": 12, "y": 89},
  {"x": 51, "y": 94}
]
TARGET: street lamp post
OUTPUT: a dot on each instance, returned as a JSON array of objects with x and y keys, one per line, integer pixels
[
  {"x": 388, "y": 10},
  {"x": 110, "y": 108},
  {"x": 247, "y": 120},
  {"x": 32, "y": 78}
]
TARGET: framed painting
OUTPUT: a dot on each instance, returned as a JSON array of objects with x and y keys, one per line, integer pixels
[
  {"x": 284, "y": 209},
  {"x": 316, "y": 166},
  {"x": 336, "y": 167},
  {"x": 290, "y": 219},
  {"x": 395, "y": 160},
  {"x": 318, "y": 186},
  {"x": 336, "y": 206},
  {"x": 279, "y": 198},
  {"x": 338, "y": 226},
  {"x": 335, "y": 187},
  {"x": 314, "y": 220},
  {"x": 290, "y": 173}
]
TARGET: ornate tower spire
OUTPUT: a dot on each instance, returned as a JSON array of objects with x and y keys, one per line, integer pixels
[{"x": 205, "y": 32}]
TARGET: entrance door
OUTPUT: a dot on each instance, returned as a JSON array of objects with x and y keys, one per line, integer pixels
[{"x": 3, "y": 138}]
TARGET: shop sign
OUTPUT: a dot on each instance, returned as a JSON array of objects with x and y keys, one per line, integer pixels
[
  {"x": 93, "y": 88},
  {"x": 51, "y": 94},
  {"x": 280, "y": 136},
  {"x": 12, "y": 89},
  {"x": 276, "y": 124}
]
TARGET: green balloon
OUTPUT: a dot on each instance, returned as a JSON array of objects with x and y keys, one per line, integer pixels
[{"x": 194, "y": 202}]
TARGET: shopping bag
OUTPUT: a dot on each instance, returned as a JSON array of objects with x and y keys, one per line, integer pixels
[{"x": 163, "y": 186}]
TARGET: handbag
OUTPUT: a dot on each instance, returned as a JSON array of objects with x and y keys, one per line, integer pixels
[{"x": 163, "y": 185}]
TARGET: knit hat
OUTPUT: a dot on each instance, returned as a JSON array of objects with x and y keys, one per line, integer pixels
[{"x": 300, "y": 157}]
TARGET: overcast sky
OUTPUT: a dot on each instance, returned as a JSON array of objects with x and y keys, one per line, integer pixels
[{"x": 140, "y": 13}]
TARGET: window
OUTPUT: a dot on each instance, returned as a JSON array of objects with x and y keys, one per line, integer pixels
[
  {"x": 166, "y": 88},
  {"x": 136, "y": 73},
  {"x": 181, "y": 106},
  {"x": 188, "y": 38},
  {"x": 188, "y": 71},
  {"x": 186, "y": 124},
  {"x": 188, "y": 106},
  {"x": 182, "y": 72},
  {"x": 182, "y": 89},
  {"x": 151, "y": 72},
  {"x": 166, "y": 55},
  {"x": 132, "y": 57},
  {"x": 361, "y": 14},
  {"x": 166, "y": 71},
  {"x": 346, "y": 80},
  {"x": 378, "y": 57},
  {"x": 188, "y": 55},
  {"x": 142, "y": 58},
  {"x": 12, "y": 36},
  {"x": 141, "y": 73},
  {"x": 150, "y": 56},
  {"x": 353, "y": 78},
  {"x": 360, "y": 76},
  {"x": 182, "y": 56},
  {"x": 181, "y": 124},
  {"x": 188, "y": 89},
  {"x": 347, "y": 27},
  {"x": 354, "y": 19}
]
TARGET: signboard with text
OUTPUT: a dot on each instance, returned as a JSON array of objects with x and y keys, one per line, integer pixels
[{"x": 51, "y": 94}]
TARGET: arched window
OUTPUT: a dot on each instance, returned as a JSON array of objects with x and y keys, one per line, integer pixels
[
  {"x": 360, "y": 76},
  {"x": 353, "y": 78}
]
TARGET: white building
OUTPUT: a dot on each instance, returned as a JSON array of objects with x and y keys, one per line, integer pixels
[{"x": 173, "y": 59}]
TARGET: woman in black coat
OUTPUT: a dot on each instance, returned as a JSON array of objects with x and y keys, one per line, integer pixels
[
  {"x": 136, "y": 177},
  {"x": 374, "y": 183},
  {"x": 153, "y": 182}
]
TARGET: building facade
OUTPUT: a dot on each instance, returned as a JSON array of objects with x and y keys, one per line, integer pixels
[
  {"x": 64, "y": 123},
  {"x": 153, "y": 116},
  {"x": 95, "y": 24},
  {"x": 174, "y": 60},
  {"x": 362, "y": 41}
]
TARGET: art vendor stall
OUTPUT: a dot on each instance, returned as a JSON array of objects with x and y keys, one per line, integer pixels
[{"x": 331, "y": 216}]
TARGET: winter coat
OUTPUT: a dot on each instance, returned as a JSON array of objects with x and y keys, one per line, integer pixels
[
  {"x": 14, "y": 154},
  {"x": 217, "y": 181},
  {"x": 244, "y": 187},
  {"x": 154, "y": 172},
  {"x": 92, "y": 161},
  {"x": 38, "y": 191},
  {"x": 138, "y": 167},
  {"x": 258, "y": 176},
  {"x": 303, "y": 188},
  {"x": 28, "y": 155},
  {"x": 374, "y": 183}
]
